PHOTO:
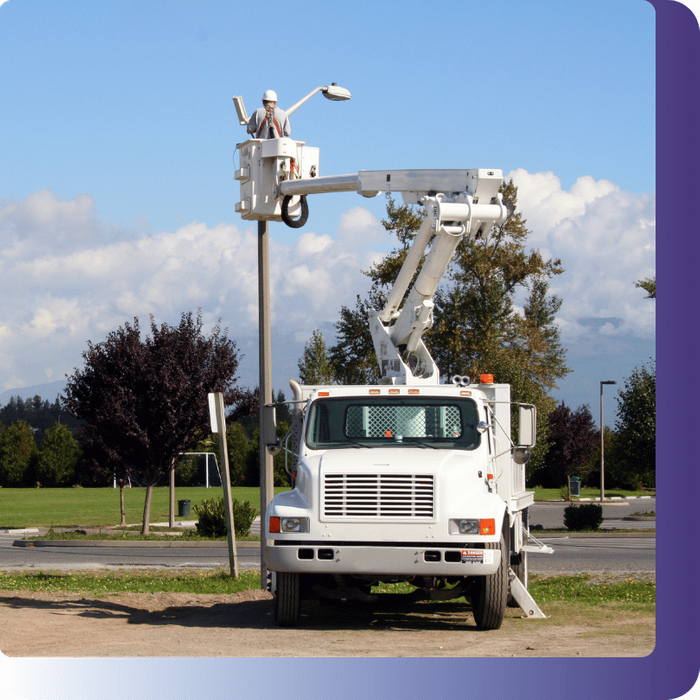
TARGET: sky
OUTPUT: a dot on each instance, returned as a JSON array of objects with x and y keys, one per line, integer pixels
[{"x": 117, "y": 196}]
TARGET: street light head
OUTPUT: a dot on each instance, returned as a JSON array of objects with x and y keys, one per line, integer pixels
[
  {"x": 609, "y": 382},
  {"x": 335, "y": 93}
]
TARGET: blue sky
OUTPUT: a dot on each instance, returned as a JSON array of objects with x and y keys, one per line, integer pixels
[{"x": 117, "y": 194}]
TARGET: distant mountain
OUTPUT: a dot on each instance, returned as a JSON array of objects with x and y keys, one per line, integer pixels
[{"x": 48, "y": 392}]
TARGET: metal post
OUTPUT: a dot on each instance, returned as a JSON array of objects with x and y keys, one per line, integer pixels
[
  {"x": 265, "y": 395},
  {"x": 220, "y": 420},
  {"x": 602, "y": 443},
  {"x": 171, "y": 519}
]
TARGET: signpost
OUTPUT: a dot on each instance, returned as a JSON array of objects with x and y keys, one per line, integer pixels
[{"x": 218, "y": 425}]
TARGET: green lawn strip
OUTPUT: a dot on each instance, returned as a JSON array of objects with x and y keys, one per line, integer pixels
[
  {"x": 99, "y": 507},
  {"x": 108, "y": 583},
  {"x": 157, "y": 535},
  {"x": 582, "y": 589},
  {"x": 579, "y": 589},
  {"x": 556, "y": 494}
]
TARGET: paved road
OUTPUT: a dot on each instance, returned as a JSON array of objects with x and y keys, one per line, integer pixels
[
  {"x": 572, "y": 553},
  {"x": 90, "y": 555},
  {"x": 550, "y": 514},
  {"x": 581, "y": 554}
]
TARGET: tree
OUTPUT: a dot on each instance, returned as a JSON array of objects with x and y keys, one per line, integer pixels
[
  {"x": 352, "y": 357},
  {"x": 478, "y": 328},
  {"x": 648, "y": 284},
  {"x": 58, "y": 457},
  {"x": 633, "y": 460},
  {"x": 18, "y": 455},
  {"x": 574, "y": 438},
  {"x": 315, "y": 365},
  {"x": 145, "y": 400}
]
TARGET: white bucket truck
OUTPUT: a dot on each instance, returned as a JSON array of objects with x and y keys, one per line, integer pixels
[{"x": 411, "y": 479}]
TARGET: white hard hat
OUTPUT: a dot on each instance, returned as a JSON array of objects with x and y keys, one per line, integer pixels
[{"x": 270, "y": 96}]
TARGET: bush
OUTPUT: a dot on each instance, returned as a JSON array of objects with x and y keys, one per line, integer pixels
[
  {"x": 212, "y": 517},
  {"x": 584, "y": 517}
]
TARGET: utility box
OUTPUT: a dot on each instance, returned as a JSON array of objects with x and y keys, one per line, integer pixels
[
  {"x": 264, "y": 163},
  {"x": 575, "y": 485}
]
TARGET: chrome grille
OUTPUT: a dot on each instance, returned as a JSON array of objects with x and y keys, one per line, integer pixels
[{"x": 378, "y": 495}]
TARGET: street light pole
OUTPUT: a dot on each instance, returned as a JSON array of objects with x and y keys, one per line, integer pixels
[
  {"x": 267, "y": 491},
  {"x": 602, "y": 442},
  {"x": 265, "y": 399}
]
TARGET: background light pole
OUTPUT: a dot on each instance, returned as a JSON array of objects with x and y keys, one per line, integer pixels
[{"x": 602, "y": 442}]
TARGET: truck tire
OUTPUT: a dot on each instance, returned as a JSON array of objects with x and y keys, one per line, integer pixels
[
  {"x": 287, "y": 598},
  {"x": 491, "y": 592}
]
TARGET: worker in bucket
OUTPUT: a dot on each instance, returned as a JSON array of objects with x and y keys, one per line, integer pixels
[{"x": 269, "y": 121}]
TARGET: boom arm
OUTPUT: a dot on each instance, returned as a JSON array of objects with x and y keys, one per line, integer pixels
[{"x": 397, "y": 334}]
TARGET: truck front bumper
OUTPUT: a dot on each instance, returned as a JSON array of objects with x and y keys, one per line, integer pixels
[{"x": 396, "y": 560}]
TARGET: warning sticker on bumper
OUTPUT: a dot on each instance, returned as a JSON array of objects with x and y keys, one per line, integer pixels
[{"x": 477, "y": 556}]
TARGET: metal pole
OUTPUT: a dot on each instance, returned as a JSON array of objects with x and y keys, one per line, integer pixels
[
  {"x": 171, "y": 519},
  {"x": 602, "y": 443},
  {"x": 226, "y": 483},
  {"x": 602, "y": 448},
  {"x": 265, "y": 395}
]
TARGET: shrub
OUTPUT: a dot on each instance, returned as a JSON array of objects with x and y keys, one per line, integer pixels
[
  {"x": 583, "y": 517},
  {"x": 212, "y": 517}
]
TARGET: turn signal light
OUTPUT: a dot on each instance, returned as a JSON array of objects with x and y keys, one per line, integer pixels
[
  {"x": 487, "y": 526},
  {"x": 274, "y": 524}
]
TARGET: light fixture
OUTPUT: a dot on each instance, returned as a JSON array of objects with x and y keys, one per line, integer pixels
[{"x": 331, "y": 92}]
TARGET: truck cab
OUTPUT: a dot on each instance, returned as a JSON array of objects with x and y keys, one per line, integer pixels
[{"x": 397, "y": 483}]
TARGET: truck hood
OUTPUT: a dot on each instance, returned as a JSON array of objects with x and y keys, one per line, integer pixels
[{"x": 391, "y": 458}]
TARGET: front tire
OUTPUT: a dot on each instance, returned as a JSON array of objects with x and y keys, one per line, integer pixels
[
  {"x": 287, "y": 598},
  {"x": 491, "y": 592}
]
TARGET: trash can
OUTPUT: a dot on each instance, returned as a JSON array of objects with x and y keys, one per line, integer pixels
[
  {"x": 183, "y": 509},
  {"x": 574, "y": 485}
]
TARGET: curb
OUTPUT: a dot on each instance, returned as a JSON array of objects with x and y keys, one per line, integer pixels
[{"x": 148, "y": 544}]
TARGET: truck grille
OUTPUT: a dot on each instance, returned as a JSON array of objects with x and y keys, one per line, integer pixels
[{"x": 378, "y": 495}]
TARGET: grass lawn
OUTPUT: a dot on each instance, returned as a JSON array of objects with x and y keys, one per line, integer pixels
[
  {"x": 545, "y": 589},
  {"x": 556, "y": 494},
  {"x": 100, "y": 507}
]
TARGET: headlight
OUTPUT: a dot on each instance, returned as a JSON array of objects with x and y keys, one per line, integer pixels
[
  {"x": 278, "y": 524},
  {"x": 465, "y": 526}
]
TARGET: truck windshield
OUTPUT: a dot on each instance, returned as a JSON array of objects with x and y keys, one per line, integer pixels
[{"x": 440, "y": 423}]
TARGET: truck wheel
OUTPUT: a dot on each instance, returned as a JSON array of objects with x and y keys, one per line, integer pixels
[
  {"x": 491, "y": 592},
  {"x": 287, "y": 599}
]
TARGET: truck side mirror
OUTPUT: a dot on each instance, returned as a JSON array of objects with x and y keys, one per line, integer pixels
[{"x": 527, "y": 425}]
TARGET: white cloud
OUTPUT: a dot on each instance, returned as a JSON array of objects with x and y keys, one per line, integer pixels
[
  {"x": 68, "y": 276},
  {"x": 605, "y": 239}
]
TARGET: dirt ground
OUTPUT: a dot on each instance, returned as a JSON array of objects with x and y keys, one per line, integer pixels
[{"x": 185, "y": 625}]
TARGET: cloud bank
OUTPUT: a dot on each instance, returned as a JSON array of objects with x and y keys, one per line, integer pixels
[{"x": 69, "y": 276}]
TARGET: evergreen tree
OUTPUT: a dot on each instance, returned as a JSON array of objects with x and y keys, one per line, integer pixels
[
  {"x": 18, "y": 454},
  {"x": 58, "y": 457},
  {"x": 315, "y": 365},
  {"x": 632, "y": 462}
]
